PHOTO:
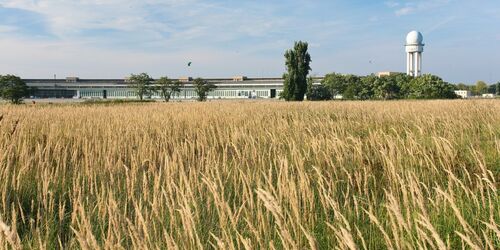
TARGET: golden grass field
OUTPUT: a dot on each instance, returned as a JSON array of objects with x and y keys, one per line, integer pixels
[{"x": 251, "y": 175}]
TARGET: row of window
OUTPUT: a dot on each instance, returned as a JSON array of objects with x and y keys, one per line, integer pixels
[{"x": 182, "y": 94}]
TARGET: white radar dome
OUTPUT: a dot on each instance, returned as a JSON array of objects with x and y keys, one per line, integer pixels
[{"x": 414, "y": 37}]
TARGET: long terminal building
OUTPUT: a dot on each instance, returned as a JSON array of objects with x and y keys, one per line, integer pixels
[{"x": 227, "y": 88}]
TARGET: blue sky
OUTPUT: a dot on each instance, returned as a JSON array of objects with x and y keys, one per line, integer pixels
[{"x": 114, "y": 38}]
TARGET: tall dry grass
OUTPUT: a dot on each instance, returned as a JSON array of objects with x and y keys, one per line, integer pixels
[{"x": 229, "y": 175}]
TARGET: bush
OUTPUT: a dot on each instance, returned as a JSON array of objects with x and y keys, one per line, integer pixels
[{"x": 319, "y": 93}]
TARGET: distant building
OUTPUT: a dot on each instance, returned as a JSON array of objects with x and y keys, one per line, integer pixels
[
  {"x": 386, "y": 73},
  {"x": 237, "y": 87},
  {"x": 464, "y": 94},
  {"x": 488, "y": 95}
]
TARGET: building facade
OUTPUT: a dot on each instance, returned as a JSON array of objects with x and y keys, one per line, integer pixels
[
  {"x": 227, "y": 88},
  {"x": 464, "y": 94}
]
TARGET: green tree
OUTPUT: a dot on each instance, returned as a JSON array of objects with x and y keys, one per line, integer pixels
[
  {"x": 202, "y": 88},
  {"x": 298, "y": 66},
  {"x": 481, "y": 88},
  {"x": 319, "y": 93},
  {"x": 353, "y": 84},
  {"x": 492, "y": 89},
  {"x": 366, "y": 88},
  {"x": 142, "y": 83},
  {"x": 462, "y": 86},
  {"x": 335, "y": 83},
  {"x": 498, "y": 88},
  {"x": 386, "y": 87},
  {"x": 167, "y": 87},
  {"x": 430, "y": 87},
  {"x": 13, "y": 88},
  {"x": 403, "y": 81}
]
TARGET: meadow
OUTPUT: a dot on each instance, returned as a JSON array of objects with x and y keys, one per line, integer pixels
[{"x": 251, "y": 175}]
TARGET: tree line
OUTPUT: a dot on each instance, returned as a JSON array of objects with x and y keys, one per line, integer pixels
[
  {"x": 371, "y": 87},
  {"x": 480, "y": 88},
  {"x": 297, "y": 84}
]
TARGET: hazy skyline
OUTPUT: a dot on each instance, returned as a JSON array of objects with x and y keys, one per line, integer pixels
[{"x": 113, "y": 38}]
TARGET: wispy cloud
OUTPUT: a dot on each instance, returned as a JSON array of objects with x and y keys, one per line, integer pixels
[
  {"x": 404, "y": 11},
  {"x": 167, "y": 21},
  {"x": 7, "y": 28},
  {"x": 403, "y": 8},
  {"x": 440, "y": 24},
  {"x": 392, "y": 4}
]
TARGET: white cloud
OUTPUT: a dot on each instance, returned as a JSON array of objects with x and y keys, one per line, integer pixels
[
  {"x": 7, "y": 28},
  {"x": 410, "y": 7},
  {"x": 391, "y": 4},
  {"x": 64, "y": 18},
  {"x": 404, "y": 11}
]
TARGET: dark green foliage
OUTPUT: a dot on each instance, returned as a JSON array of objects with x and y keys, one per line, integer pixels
[
  {"x": 298, "y": 66},
  {"x": 319, "y": 93},
  {"x": 386, "y": 88},
  {"x": 366, "y": 90},
  {"x": 353, "y": 87},
  {"x": 493, "y": 88},
  {"x": 142, "y": 84},
  {"x": 498, "y": 88},
  {"x": 395, "y": 86},
  {"x": 167, "y": 87},
  {"x": 430, "y": 87},
  {"x": 202, "y": 88},
  {"x": 335, "y": 83},
  {"x": 402, "y": 80},
  {"x": 13, "y": 88}
]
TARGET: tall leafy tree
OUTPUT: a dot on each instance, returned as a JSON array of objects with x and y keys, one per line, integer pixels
[
  {"x": 167, "y": 87},
  {"x": 462, "y": 86},
  {"x": 202, "y": 88},
  {"x": 336, "y": 83},
  {"x": 430, "y": 87},
  {"x": 13, "y": 88},
  {"x": 492, "y": 89},
  {"x": 481, "y": 88},
  {"x": 402, "y": 80},
  {"x": 353, "y": 87},
  {"x": 366, "y": 88},
  {"x": 298, "y": 66},
  {"x": 386, "y": 87},
  {"x": 142, "y": 84}
]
